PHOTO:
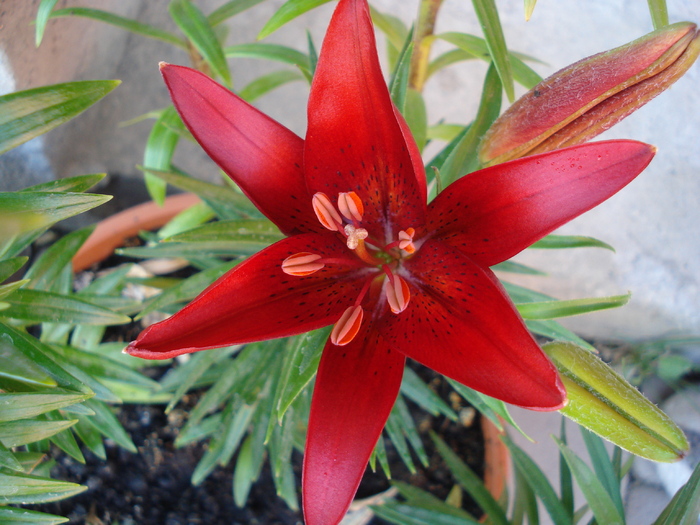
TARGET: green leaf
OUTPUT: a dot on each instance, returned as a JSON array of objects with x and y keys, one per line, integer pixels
[
  {"x": 393, "y": 28},
  {"x": 187, "y": 289},
  {"x": 90, "y": 436},
  {"x": 24, "y": 431},
  {"x": 593, "y": 490},
  {"x": 556, "y": 309},
  {"x": 25, "y": 405},
  {"x": 128, "y": 24},
  {"x": 219, "y": 197},
  {"x": 76, "y": 184},
  {"x": 539, "y": 483},
  {"x": 684, "y": 508},
  {"x": 494, "y": 409},
  {"x": 416, "y": 117},
  {"x": 8, "y": 460},
  {"x": 301, "y": 360},
  {"x": 107, "y": 423},
  {"x": 42, "y": 16},
  {"x": 235, "y": 236},
  {"x": 404, "y": 514},
  {"x": 286, "y": 13},
  {"x": 604, "y": 469},
  {"x": 38, "y": 307},
  {"x": 23, "y": 489},
  {"x": 659, "y": 13},
  {"x": 45, "y": 271},
  {"x": 9, "y": 267},
  {"x": 64, "y": 439},
  {"x": 471, "y": 483},
  {"x": 230, "y": 9},
  {"x": 417, "y": 391},
  {"x": 15, "y": 516},
  {"x": 264, "y": 51},
  {"x": 566, "y": 482},
  {"x": 199, "y": 31},
  {"x": 475, "y": 47},
  {"x": 529, "y": 8},
  {"x": 191, "y": 371},
  {"x": 398, "y": 86},
  {"x": 513, "y": 267},
  {"x": 187, "y": 219},
  {"x": 267, "y": 83},
  {"x": 28, "y": 114},
  {"x": 22, "y": 212},
  {"x": 570, "y": 241},
  {"x": 160, "y": 147},
  {"x": 603, "y": 402},
  {"x": 463, "y": 158},
  {"x": 487, "y": 13},
  {"x": 419, "y": 499}
]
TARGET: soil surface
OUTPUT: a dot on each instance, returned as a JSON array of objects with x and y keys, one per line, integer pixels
[{"x": 153, "y": 487}]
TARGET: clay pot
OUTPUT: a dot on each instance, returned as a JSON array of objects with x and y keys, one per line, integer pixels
[{"x": 111, "y": 233}]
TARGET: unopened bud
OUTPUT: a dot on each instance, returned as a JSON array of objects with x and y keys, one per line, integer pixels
[{"x": 588, "y": 97}]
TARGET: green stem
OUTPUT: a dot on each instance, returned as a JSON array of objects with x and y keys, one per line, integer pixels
[{"x": 427, "y": 13}]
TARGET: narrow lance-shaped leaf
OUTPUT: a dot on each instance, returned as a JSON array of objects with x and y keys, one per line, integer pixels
[
  {"x": 42, "y": 16},
  {"x": 556, "y": 309},
  {"x": 288, "y": 12},
  {"x": 595, "y": 493},
  {"x": 21, "y": 213},
  {"x": 683, "y": 509},
  {"x": 27, "y": 114},
  {"x": 19, "y": 516},
  {"x": 198, "y": 30},
  {"x": 230, "y": 9},
  {"x": 487, "y": 13},
  {"x": 133, "y": 26},
  {"x": 160, "y": 147},
  {"x": 603, "y": 402}
]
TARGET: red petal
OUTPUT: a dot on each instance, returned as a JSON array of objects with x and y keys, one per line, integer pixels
[
  {"x": 494, "y": 213},
  {"x": 356, "y": 387},
  {"x": 256, "y": 300},
  {"x": 263, "y": 157},
  {"x": 461, "y": 323},
  {"x": 354, "y": 140}
]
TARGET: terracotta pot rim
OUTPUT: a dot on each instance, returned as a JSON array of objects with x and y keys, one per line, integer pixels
[{"x": 111, "y": 233}]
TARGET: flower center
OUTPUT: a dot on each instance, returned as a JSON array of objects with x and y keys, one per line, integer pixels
[{"x": 346, "y": 219}]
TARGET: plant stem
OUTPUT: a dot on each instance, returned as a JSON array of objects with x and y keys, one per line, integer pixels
[{"x": 427, "y": 13}]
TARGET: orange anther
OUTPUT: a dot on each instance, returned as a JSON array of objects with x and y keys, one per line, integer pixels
[
  {"x": 350, "y": 206},
  {"x": 397, "y": 293},
  {"x": 406, "y": 240},
  {"x": 347, "y": 326},
  {"x": 326, "y": 213},
  {"x": 302, "y": 264}
]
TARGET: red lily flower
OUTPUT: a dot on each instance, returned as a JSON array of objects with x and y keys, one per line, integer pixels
[{"x": 397, "y": 277}]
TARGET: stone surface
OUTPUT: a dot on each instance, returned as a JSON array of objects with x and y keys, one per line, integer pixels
[{"x": 652, "y": 223}]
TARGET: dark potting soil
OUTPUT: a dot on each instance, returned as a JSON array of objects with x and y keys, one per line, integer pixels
[{"x": 153, "y": 486}]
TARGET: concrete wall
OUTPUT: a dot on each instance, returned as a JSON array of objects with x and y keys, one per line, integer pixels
[{"x": 653, "y": 223}]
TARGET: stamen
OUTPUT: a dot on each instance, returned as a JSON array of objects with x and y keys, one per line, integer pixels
[
  {"x": 355, "y": 235},
  {"x": 302, "y": 264},
  {"x": 347, "y": 326},
  {"x": 326, "y": 213},
  {"x": 351, "y": 206},
  {"x": 406, "y": 240},
  {"x": 397, "y": 293}
]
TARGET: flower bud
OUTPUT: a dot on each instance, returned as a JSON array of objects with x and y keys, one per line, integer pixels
[{"x": 588, "y": 97}]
